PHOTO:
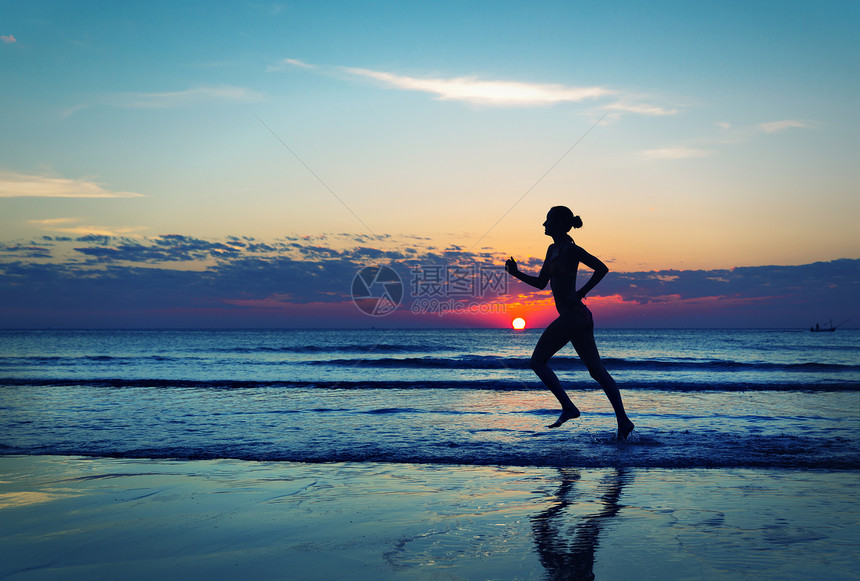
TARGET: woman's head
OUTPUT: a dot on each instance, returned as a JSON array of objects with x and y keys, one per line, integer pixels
[{"x": 561, "y": 219}]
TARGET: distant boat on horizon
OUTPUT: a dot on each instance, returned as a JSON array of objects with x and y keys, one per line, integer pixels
[{"x": 827, "y": 327}]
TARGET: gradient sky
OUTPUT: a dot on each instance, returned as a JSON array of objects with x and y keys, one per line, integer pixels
[{"x": 713, "y": 136}]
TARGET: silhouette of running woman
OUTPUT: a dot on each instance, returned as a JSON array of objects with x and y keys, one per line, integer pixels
[{"x": 574, "y": 322}]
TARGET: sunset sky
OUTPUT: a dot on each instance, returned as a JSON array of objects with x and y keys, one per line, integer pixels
[{"x": 237, "y": 163}]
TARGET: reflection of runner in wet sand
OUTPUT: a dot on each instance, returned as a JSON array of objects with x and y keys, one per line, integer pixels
[
  {"x": 574, "y": 322},
  {"x": 566, "y": 556}
]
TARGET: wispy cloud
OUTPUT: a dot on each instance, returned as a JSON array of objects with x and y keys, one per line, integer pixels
[
  {"x": 185, "y": 98},
  {"x": 288, "y": 63},
  {"x": 775, "y": 126},
  {"x": 675, "y": 153},
  {"x": 23, "y": 251},
  {"x": 71, "y": 226},
  {"x": 172, "y": 99},
  {"x": 473, "y": 90},
  {"x": 493, "y": 92},
  {"x": 48, "y": 222},
  {"x": 728, "y": 135},
  {"x": 100, "y": 230},
  {"x": 15, "y": 185},
  {"x": 166, "y": 248},
  {"x": 8, "y": 39},
  {"x": 640, "y": 109}
]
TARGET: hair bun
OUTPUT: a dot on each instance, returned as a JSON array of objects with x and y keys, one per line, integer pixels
[{"x": 576, "y": 222}]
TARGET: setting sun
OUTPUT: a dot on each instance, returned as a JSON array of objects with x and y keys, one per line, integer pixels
[{"x": 519, "y": 323}]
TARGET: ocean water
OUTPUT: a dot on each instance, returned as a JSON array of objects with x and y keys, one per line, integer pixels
[{"x": 699, "y": 398}]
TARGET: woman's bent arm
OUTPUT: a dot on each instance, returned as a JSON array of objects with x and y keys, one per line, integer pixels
[
  {"x": 600, "y": 270},
  {"x": 539, "y": 281}
]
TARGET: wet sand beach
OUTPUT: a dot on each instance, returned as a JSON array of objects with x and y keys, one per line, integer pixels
[{"x": 100, "y": 518}]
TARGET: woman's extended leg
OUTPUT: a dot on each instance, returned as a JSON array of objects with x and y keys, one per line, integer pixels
[
  {"x": 554, "y": 337},
  {"x": 587, "y": 350}
]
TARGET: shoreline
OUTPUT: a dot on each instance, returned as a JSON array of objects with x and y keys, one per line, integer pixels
[
  {"x": 522, "y": 461},
  {"x": 93, "y": 517}
]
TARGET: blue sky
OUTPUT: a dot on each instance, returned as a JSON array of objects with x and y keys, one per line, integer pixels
[{"x": 713, "y": 135}]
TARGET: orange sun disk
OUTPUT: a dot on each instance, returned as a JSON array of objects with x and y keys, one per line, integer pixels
[{"x": 519, "y": 323}]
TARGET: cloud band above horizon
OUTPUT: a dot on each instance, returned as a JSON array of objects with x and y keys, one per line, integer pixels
[{"x": 244, "y": 277}]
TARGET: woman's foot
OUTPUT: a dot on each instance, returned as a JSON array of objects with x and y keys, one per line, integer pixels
[
  {"x": 624, "y": 429},
  {"x": 566, "y": 414}
]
